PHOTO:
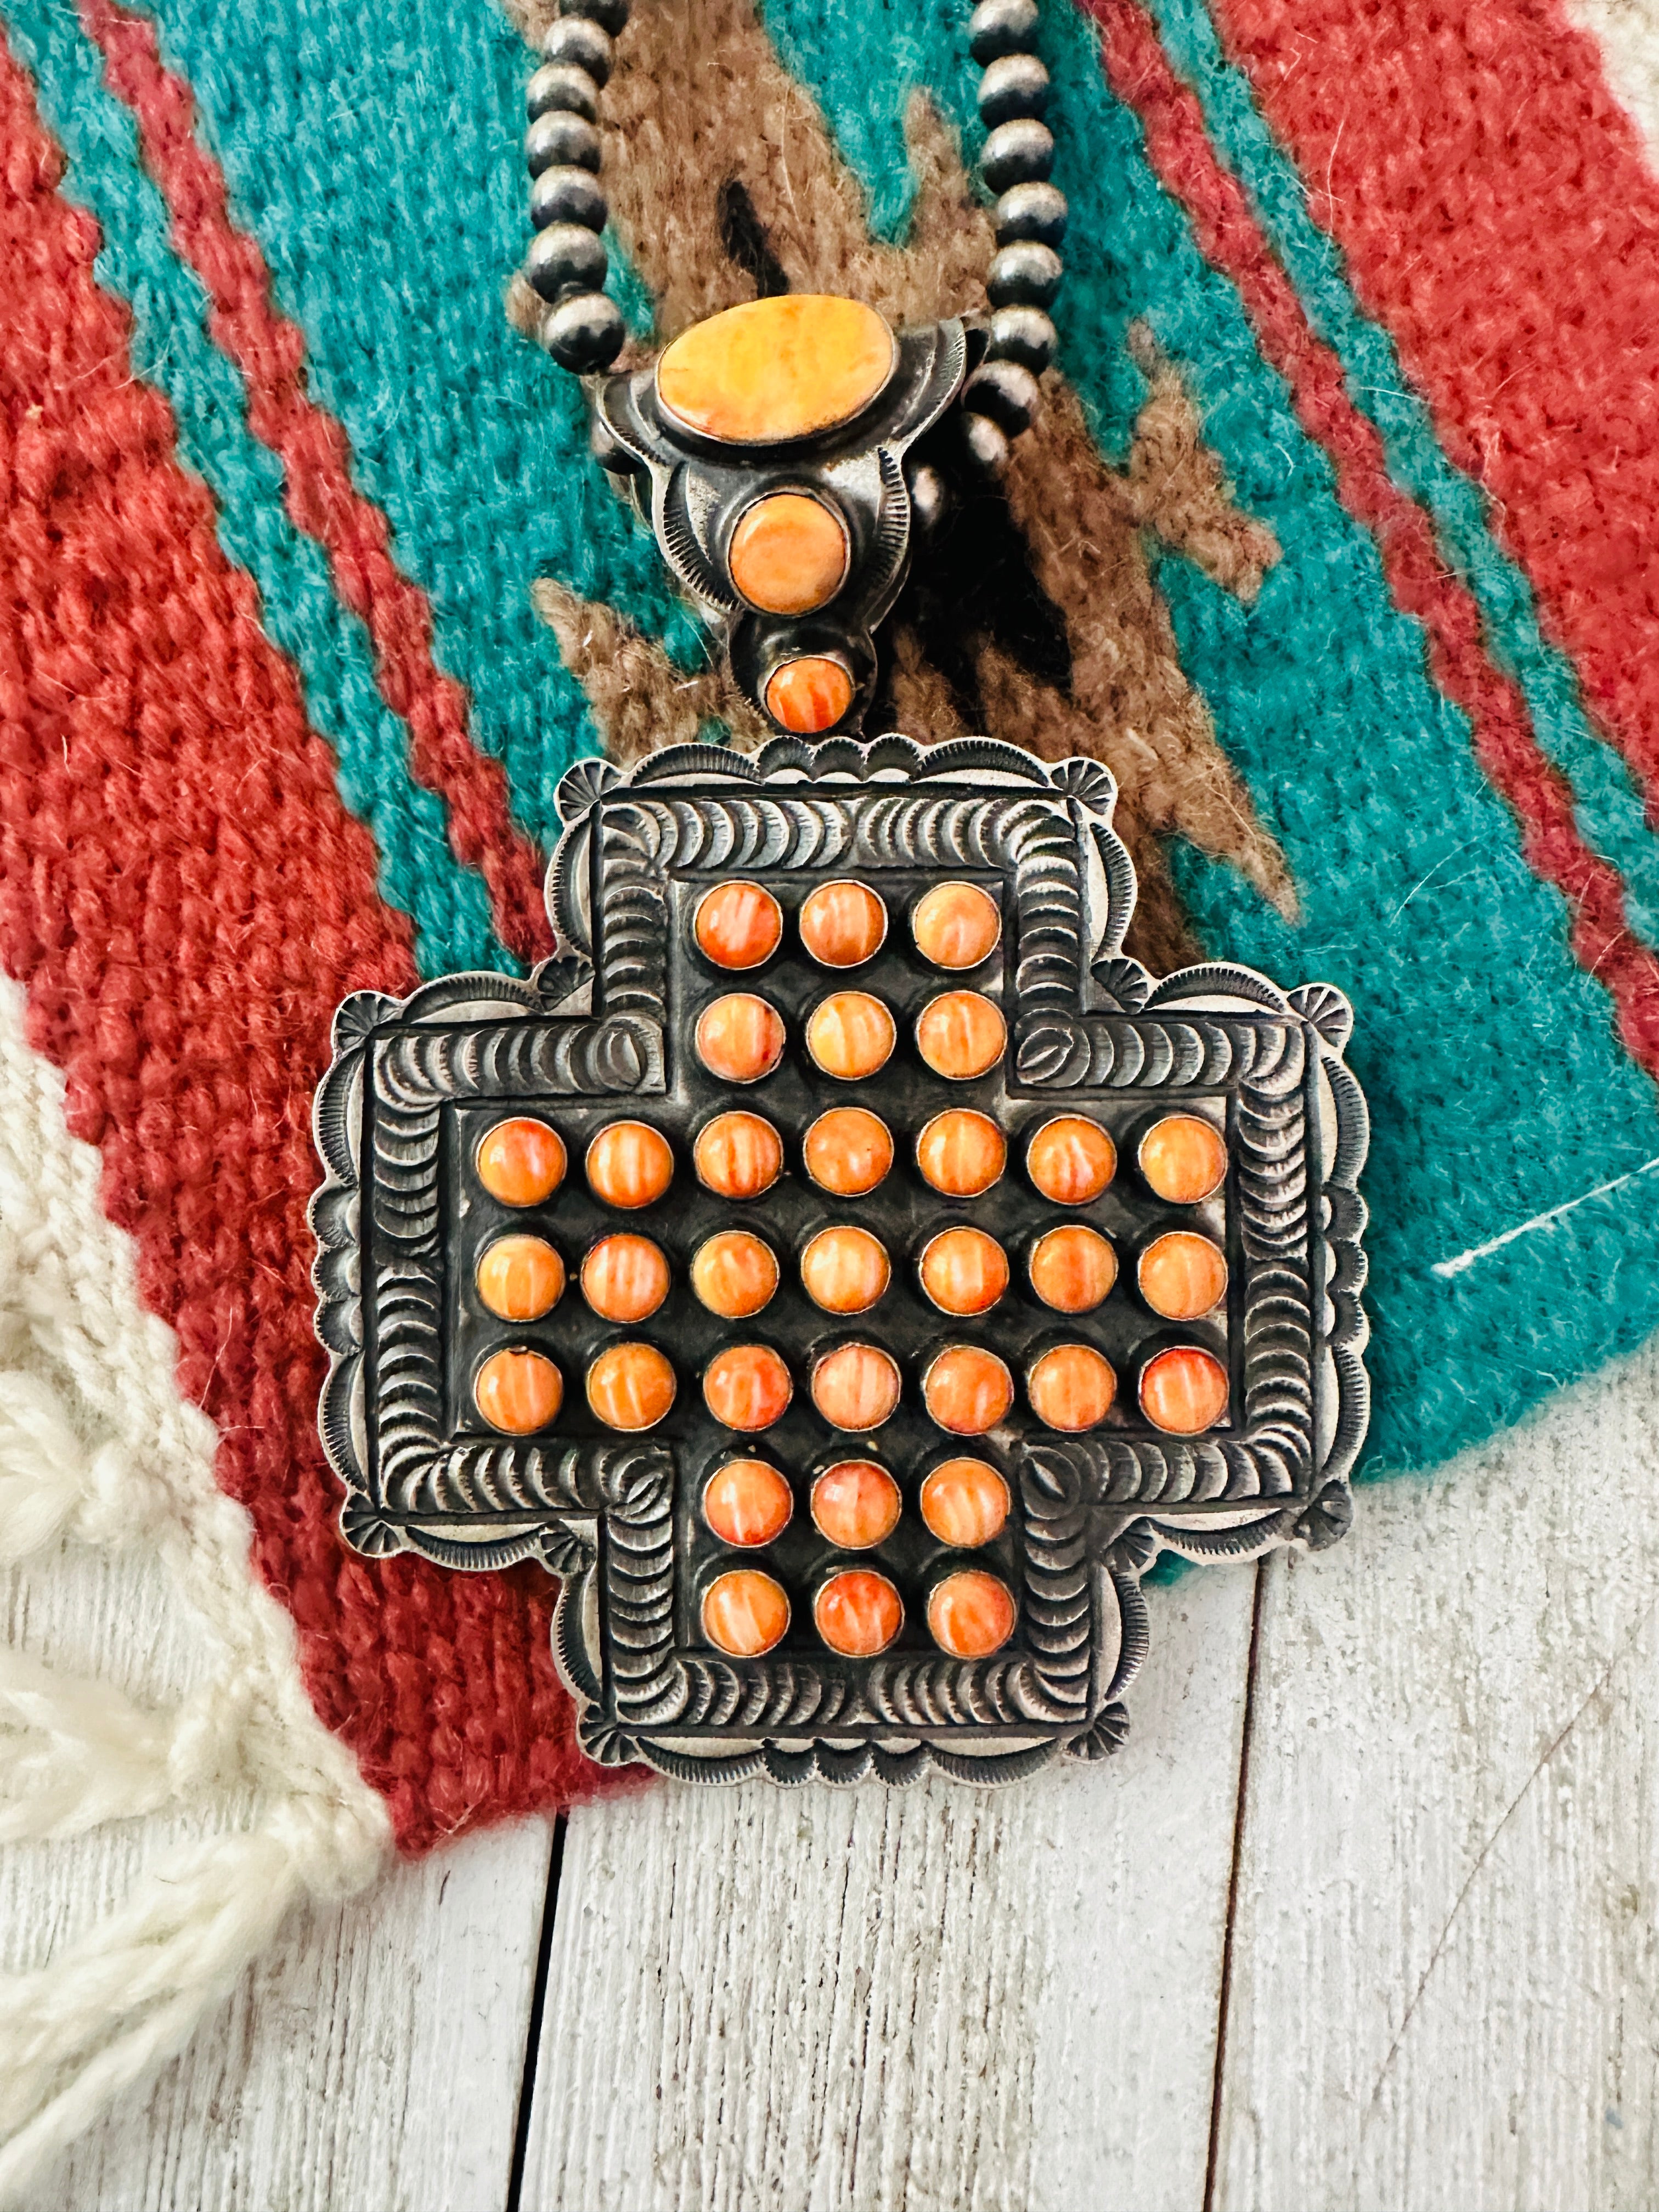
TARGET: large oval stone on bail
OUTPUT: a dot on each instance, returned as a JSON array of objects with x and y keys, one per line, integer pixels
[{"x": 775, "y": 369}]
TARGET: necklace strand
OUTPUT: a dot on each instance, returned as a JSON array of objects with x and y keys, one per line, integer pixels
[{"x": 583, "y": 327}]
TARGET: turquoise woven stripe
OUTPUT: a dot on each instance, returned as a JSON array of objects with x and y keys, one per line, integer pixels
[
  {"x": 1498, "y": 1087},
  {"x": 418, "y": 874},
  {"x": 1608, "y": 803},
  {"x": 374, "y": 153}
]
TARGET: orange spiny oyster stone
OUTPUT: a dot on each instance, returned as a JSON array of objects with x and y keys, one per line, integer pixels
[
  {"x": 1073, "y": 1268},
  {"x": 521, "y": 1278},
  {"x": 1071, "y": 1160},
  {"x": 808, "y": 694},
  {"x": 843, "y": 923},
  {"x": 625, "y": 1277},
  {"x": 961, "y": 1034},
  {"x": 967, "y": 1389},
  {"x": 740, "y": 1037},
  {"x": 747, "y": 1388},
  {"x": 961, "y": 1152},
  {"x": 1183, "y": 1159},
  {"x": 847, "y": 1151},
  {"x": 738, "y": 925},
  {"x": 734, "y": 1275},
  {"x": 518, "y": 1392},
  {"x": 856, "y": 1387},
  {"x": 858, "y": 1612},
  {"x": 747, "y": 1502},
  {"x": 970, "y": 1614},
  {"x": 964, "y": 1271},
  {"x": 630, "y": 1165},
  {"x": 522, "y": 1162},
  {"x": 777, "y": 368},
  {"x": 964, "y": 1502},
  {"x": 1182, "y": 1276},
  {"x": 855, "y": 1505},
  {"x": 845, "y": 1271},
  {"x": 745, "y": 1613},
  {"x": 850, "y": 1034},
  {"x": 1072, "y": 1388},
  {"x": 1183, "y": 1390},
  {"x": 789, "y": 553},
  {"x": 739, "y": 1155},
  {"x": 956, "y": 925},
  {"x": 630, "y": 1386}
]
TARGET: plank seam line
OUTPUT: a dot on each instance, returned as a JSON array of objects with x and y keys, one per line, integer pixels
[
  {"x": 533, "y": 2029},
  {"x": 1225, "y": 1996},
  {"x": 1626, "y": 1645}
]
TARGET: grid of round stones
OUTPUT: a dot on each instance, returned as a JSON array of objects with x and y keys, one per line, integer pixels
[{"x": 862, "y": 1274}]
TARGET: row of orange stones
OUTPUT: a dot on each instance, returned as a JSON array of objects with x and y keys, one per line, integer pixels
[
  {"x": 963, "y": 1272},
  {"x": 855, "y": 1504},
  {"x": 848, "y": 1151},
  {"x": 857, "y": 1613},
  {"x": 748, "y": 1388},
  {"x": 851, "y": 1035},
  {"x": 740, "y": 925}
]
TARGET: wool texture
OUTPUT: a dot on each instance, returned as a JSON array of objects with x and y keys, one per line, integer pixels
[{"x": 1333, "y": 540}]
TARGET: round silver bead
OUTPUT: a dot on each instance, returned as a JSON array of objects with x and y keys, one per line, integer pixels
[
  {"x": 584, "y": 332},
  {"x": 567, "y": 195},
  {"x": 1014, "y": 85},
  {"x": 565, "y": 258},
  {"x": 929, "y": 498},
  {"x": 985, "y": 442},
  {"x": 1024, "y": 334},
  {"x": 1036, "y": 211},
  {"x": 609, "y": 14},
  {"x": 1024, "y": 274},
  {"x": 1005, "y": 392},
  {"x": 1001, "y": 27},
  {"x": 562, "y": 84},
  {"x": 568, "y": 141},
  {"x": 580, "y": 43},
  {"x": 1017, "y": 154}
]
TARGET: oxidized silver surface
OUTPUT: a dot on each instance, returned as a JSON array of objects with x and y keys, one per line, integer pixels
[
  {"x": 604, "y": 1027},
  {"x": 693, "y": 490}
]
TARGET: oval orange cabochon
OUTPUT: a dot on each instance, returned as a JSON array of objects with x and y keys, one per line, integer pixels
[{"x": 774, "y": 369}]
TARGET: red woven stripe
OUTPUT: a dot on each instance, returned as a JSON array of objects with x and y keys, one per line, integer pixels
[
  {"x": 321, "y": 497},
  {"x": 1504, "y": 744},
  {"x": 1499, "y": 218},
  {"x": 186, "y": 899}
]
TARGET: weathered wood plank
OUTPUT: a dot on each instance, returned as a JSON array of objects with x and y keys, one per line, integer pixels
[
  {"x": 373, "y": 2059},
  {"x": 1445, "y": 1989},
  {"x": 933, "y": 1997}
]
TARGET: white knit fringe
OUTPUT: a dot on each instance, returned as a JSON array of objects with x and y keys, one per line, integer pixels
[
  {"x": 97, "y": 1448},
  {"x": 1627, "y": 32}
]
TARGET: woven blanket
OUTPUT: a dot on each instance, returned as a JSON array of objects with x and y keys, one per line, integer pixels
[{"x": 1337, "y": 540}]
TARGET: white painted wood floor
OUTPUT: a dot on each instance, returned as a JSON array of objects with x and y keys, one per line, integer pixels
[{"x": 1408, "y": 1962}]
